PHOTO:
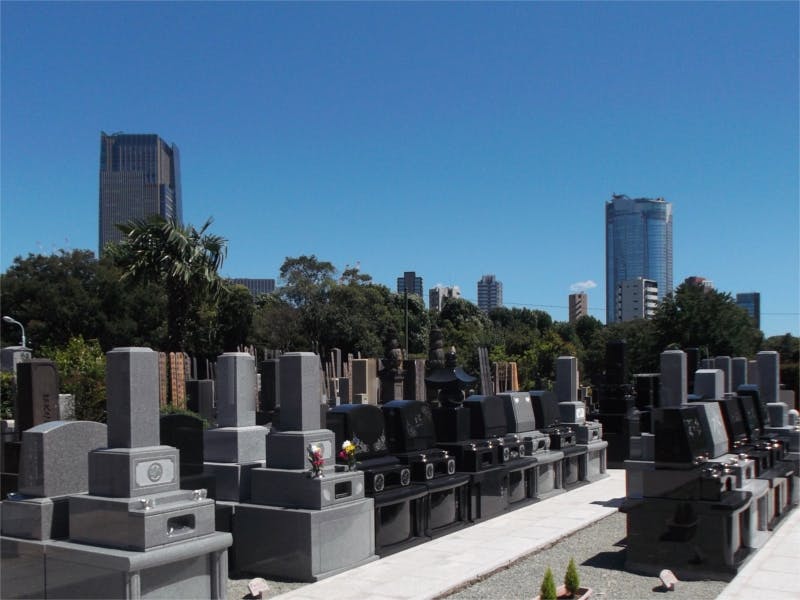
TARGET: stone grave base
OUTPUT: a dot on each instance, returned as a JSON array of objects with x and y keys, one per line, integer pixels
[
  {"x": 400, "y": 516},
  {"x": 22, "y": 574},
  {"x": 488, "y": 493},
  {"x": 548, "y": 473},
  {"x": 594, "y": 462},
  {"x": 196, "y": 568},
  {"x": 447, "y": 505},
  {"x": 522, "y": 477},
  {"x": 303, "y": 544},
  {"x": 231, "y": 480},
  {"x": 573, "y": 466}
]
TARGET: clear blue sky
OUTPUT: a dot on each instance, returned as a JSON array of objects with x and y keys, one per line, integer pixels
[{"x": 449, "y": 139}]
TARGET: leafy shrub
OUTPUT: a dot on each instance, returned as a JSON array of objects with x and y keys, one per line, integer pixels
[
  {"x": 8, "y": 392},
  {"x": 82, "y": 370},
  {"x": 548, "y": 589},
  {"x": 571, "y": 579}
]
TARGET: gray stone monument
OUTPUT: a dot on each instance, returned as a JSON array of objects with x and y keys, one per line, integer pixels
[
  {"x": 752, "y": 372},
  {"x": 37, "y": 393},
  {"x": 709, "y": 383},
  {"x": 301, "y": 524},
  {"x": 53, "y": 465},
  {"x": 738, "y": 372},
  {"x": 237, "y": 446},
  {"x": 724, "y": 364},
  {"x": 673, "y": 378},
  {"x": 365, "y": 379},
  {"x": 572, "y": 412},
  {"x": 768, "y": 375},
  {"x": 136, "y": 533},
  {"x": 11, "y": 355}
]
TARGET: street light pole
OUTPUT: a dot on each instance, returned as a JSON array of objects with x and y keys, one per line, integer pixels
[{"x": 8, "y": 319}]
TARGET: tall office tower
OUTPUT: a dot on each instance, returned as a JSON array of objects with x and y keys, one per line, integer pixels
[
  {"x": 638, "y": 244},
  {"x": 578, "y": 306},
  {"x": 636, "y": 299},
  {"x": 409, "y": 281},
  {"x": 751, "y": 302},
  {"x": 702, "y": 282},
  {"x": 139, "y": 177},
  {"x": 490, "y": 293},
  {"x": 437, "y": 295},
  {"x": 256, "y": 286}
]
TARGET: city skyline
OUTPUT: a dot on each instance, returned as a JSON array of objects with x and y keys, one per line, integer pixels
[{"x": 455, "y": 140}]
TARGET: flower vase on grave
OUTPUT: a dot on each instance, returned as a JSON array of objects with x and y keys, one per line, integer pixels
[
  {"x": 348, "y": 453},
  {"x": 317, "y": 461}
]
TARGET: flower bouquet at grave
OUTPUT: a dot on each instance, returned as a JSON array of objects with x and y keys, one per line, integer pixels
[
  {"x": 348, "y": 453},
  {"x": 316, "y": 460}
]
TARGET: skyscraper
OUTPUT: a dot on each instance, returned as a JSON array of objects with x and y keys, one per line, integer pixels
[
  {"x": 139, "y": 177},
  {"x": 490, "y": 293},
  {"x": 751, "y": 302},
  {"x": 578, "y": 306},
  {"x": 437, "y": 295},
  {"x": 411, "y": 283},
  {"x": 638, "y": 244}
]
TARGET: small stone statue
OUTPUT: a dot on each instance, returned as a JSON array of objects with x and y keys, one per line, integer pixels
[
  {"x": 436, "y": 357},
  {"x": 393, "y": 358}
]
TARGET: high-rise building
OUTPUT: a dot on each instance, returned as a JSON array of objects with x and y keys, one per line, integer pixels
[
  {"x": 751, "y": 302},
  {"x": 409, "y": 281},
  {"x": 578, "y": 306},
  {"x": 139, "y": 177},
  {"x": 702, "y": 282},
  {"x": 636, "y": 299},
  {"x": 256, "y": 286},
  {"x": 490, "y": 293},
  {"x": 638, "y": 244},
  {"x": 437, "y": 295}
]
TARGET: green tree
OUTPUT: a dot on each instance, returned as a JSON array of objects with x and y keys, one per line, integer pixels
[
  {"x": 467, "y": 328},
  {"x": 307, "y": 283},
  {"x": 276, "y": 324},
  {"x": 82, "y": 370},
  {"x": 183, "y": 259},
  {"x": 698, "y": 317},
  {"x": 571, "y": 579},
  {"x": 68, "y": 294},
  {"x": 547, "y": 591}
]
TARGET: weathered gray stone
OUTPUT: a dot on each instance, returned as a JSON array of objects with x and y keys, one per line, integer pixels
[
  {"x": 235, "y": 444},
  {"x": 709, "y": 383},
  {"x": 295, "y": 489},
  {"x": 127, "y": 472},
  {"x": 289, "y": 449},
  {"x": 724, "y": 364},
  {"x": 301, "y": 393},
  {"x": 133, "y": 397},
  {"x": 236, "y": 390},
  {"x": 35, "y": 518},
  {"x": 738, "y": 372},
  {"x": 769, "y": 375},
  {"x": 567, "y": 379},
  {"x": 55, "y": 457},
  {"x": 232, "y": 480},
  {"x": 673, "y": 378}
]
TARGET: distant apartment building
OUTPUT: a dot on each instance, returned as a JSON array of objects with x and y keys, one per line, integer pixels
[
  {"x": 438, "y": 294},
  {"x": 751, "y": 302},
  {"x": 636, "y": 299},
  {"x": 638, "y": 244},
  {"x": 256, "y": 286},
  {"x": 411, "y": 283},
  {"x": 139, "y": 177},
  {"x": 578, "y": 306},
  {"x": 702, "y": 282},
  {"x": 490, "y": 293}
]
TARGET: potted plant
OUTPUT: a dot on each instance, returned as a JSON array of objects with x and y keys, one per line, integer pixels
[
  {"x": 570, "y": 589},
  {"x": 547, "y": 591}
]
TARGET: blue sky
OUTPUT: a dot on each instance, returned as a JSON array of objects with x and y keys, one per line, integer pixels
[{"x": 449, "y": 139}]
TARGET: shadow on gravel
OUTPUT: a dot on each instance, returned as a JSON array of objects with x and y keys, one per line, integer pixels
[
  {"x": 610, "y": 503},
  {"x": 607, "y": 560}
]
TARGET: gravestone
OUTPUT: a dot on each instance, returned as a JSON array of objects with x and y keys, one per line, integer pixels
[
  {"x": 237, "y": 446},
  {"x": 301, "y": 524},
  {"x": 200, "y": 398},
  {"x": 270, "y": 385},
  {"x": 54, "y": 464},
  {"x": 673, "y": 379},
  {"x": 769, "y": 375},
  {"x": 414, "y": 384},
  {"x": 136, "y": 532},
  {"x": 365, "y": 379},
  {"x": 738, "y": 372},
  {"x": 724, "y": 364},
  {"x": 37, "y": 393},
  {"x": 709, "y": 383},
  {"x": 752, "y": 372},
  {"x": 10, "y": 356}
]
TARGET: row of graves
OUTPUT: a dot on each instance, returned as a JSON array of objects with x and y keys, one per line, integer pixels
[
  {"x": 157, "y": 506},
  {"x": 709, "y": 474}
]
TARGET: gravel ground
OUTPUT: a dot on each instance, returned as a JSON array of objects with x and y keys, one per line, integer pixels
[{"x": 599, "y": 553}]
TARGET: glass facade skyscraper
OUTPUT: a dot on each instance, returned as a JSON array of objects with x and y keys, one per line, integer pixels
[
  {"x": 490, "y": 293},
  {"x": 139, "y": 177},
  {"x": 638, "y": 244}
]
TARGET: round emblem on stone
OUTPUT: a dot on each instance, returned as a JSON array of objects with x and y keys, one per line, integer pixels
[{"x": 154, "y": 472}]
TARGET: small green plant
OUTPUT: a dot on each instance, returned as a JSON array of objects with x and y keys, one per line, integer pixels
[
  {"x": 548, "y": 589},
  {"x": 571, "y": 580},
  {"x": 8, "y": 391}
]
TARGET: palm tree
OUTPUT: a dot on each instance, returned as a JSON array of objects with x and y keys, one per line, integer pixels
[{"x": 183, "y": 259}]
